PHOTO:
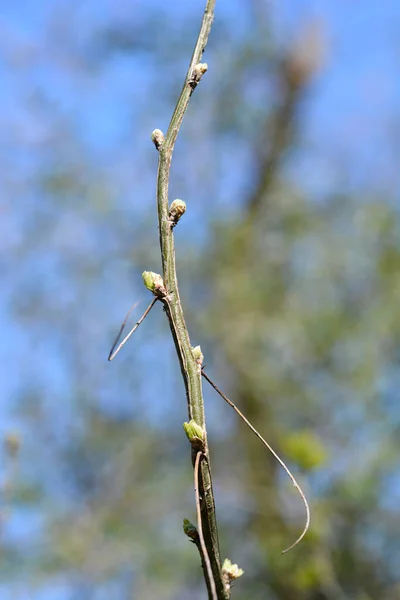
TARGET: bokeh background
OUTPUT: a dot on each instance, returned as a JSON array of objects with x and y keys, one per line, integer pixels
[{"x": 289, "y": 266}]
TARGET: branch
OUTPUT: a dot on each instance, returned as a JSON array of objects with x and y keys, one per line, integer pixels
[
  {"x": 274, "y": 454},
  {"x": 113, "y": 351},
  {"x": 168, "y": 293},
  {"x": 203, "y": 548},
  {"x": 295, "y": 71}
]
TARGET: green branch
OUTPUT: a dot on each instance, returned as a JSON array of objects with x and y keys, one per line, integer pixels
[{"x": 169, "y": 295}]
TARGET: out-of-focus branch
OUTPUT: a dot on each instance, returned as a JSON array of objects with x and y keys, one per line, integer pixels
[{"x": 295, "y": 70}]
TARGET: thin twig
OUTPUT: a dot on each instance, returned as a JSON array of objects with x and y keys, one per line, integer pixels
[
  {"x": 203, "y": 547},
  {"x": 283, "y": 465},
  {"x": 189, "y": 367},
  {"x": 113, "y": 353}
]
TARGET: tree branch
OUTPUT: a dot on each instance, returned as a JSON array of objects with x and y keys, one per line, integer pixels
[
  {"x": 274, "y": 454},
  {"x": 113, "y": 351},
  {"x": 190, "y": 365}
]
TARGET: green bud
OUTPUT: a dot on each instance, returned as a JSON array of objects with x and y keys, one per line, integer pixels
[
  {"x": 153, "y": 282},
  {"x": 190, "y": 530},
  {"x": 198, "y": 355},
  {"x": 176, "y": 210},
  {"x": 230, "y": 572},
  {"x": 157, "y": 137},
  {"x": 195, "y": 434}
]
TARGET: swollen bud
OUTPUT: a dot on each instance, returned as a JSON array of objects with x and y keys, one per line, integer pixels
[
  {"x": 190, "y": 530},
  {"x": 195, "y": 434},
  {"x": 177, "y": 209},
  {"x": 197, "y": 73},
  {"x": 198, "y": 355},
  {"x": 154, "y": 283},
  {"x": 230, "y": 572},
  {"x": 157, "y": 137}
]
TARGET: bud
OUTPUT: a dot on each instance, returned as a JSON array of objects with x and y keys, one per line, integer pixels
[
  {"x": 197, "y": 73},
  {"x": 176, "y": 210},
  {"x": 157, "y": 137},
  {"x": 198, "y": 355},
  {"x": 154, "y": 283},
  {"x": 230, "y": 572},
  {"x": 195, "y": 434},
  {"x": 190, "y": 530}
]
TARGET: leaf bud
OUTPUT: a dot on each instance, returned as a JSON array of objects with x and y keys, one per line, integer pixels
[
  {"x": 198, "y": 355},
  {"x": 157, "y": 137},
  {"x": 154, "y": 282},
  {"x": 176, "y": 210},
  {"x": 198, "y": 72},
  {"x": 195, "y": 434},
  {"x": 190, "y": 530}
]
